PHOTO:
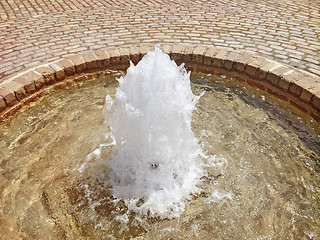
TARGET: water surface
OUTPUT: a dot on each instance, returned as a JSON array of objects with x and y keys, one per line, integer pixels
[{"x": 262, "y": 182}]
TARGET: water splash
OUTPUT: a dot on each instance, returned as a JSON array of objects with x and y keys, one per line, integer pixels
[{"x": 156, "y": 166}]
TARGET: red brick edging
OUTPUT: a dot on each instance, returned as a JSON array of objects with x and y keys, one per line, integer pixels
[{"x": 296, "y": 86}]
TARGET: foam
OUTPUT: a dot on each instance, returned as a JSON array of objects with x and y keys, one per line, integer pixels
[{"x": 156, "y": 165}]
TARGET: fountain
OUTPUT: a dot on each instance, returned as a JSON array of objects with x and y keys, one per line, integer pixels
[
  {"x": 161, "y": 162},
  {"x": 157, "y": 156}
]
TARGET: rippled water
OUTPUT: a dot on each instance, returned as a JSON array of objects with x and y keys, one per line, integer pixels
[{"x": 264, "y": 183}]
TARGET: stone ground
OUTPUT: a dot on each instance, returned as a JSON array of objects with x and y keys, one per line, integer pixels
[{"x": 33, "y": 32}]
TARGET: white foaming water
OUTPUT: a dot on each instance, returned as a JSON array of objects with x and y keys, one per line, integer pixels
[{"x": 156, "y": 166}]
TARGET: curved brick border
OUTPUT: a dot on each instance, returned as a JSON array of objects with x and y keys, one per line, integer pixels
[{"x": 298, "y": 87}]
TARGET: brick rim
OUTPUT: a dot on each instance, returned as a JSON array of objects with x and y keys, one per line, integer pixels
[{"x": 300, "y": 88}]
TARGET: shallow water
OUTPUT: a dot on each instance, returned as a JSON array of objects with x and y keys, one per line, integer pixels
[{"x": 263, "y": 182}]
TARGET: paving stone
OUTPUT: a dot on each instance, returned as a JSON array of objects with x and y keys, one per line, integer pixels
[
  {"x": 3, "y": 104},
  {"x": 90, "y": 59},
  {"x": 28, "y": 84},
  {"x": 187, "y": 53},
  {"x": 304, "y": 87},
  {"x": 68, "y": 65},
  {"x": 37, "y": 78},
  {"x": 16, "y": 88},
  {"x": 292, "y": 78},
  {"x": 47, "y": 73},
  {"x": 145, "y": 48},
  {"x": 198, "y": 54},
  {"x": 59, "y": 71},
  {"x": 125, "y": 54},
  {"x": 219, "y": 57},
  {"x": 97, "y": 24},
  {"x": 242, "y": 60},
  {"x": 252, "y": 66},
  {"x": 316, "y": 101},
  {"x": 275, "y": 76},
  {"x": 264, "y": 69},
  {"x": 134, "y": 54},
  {"x": 114, "y": 55},
  {"x": 167, "y": 49},
  {"x": 230, "y": 58},
  {"x": 79, "y": 63},
  {"x": 209, "y": 55},
  {"x": 103, "y": 58},
  {"x": 306, "y": 96},
  {"x": 9, "y": 96},
  {"x": 176, "y": 52}
]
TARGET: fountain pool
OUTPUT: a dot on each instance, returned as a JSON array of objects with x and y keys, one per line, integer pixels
[{"x": 260, "y": 166}]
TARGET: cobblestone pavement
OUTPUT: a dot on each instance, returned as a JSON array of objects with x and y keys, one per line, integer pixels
[{"x": 33, "y": 32}]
